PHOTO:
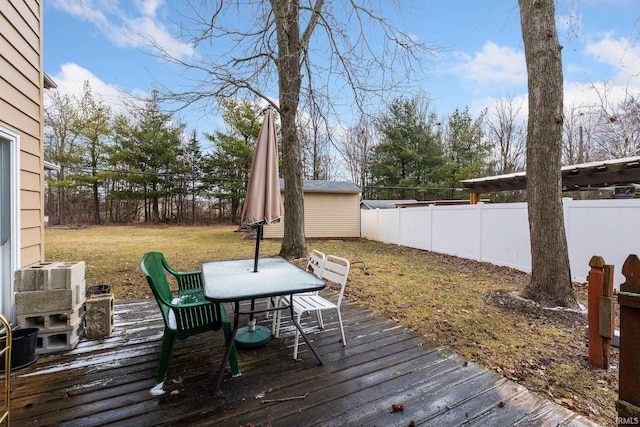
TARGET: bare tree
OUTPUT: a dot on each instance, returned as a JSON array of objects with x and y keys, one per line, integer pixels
[
  {"x": 507, "y": 133},
  {"x": 357, "y": 148},
  {"x": 310, "y": 49},
  {"x": 550, "y": 273},
  {"x": 618, "y": 129},
  {"x": 316, "y": 147},
  {"x": 61, "y": 114},
  {"x": 578, "y": 130}
]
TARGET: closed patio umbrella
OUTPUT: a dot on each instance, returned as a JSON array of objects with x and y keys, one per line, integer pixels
[
  {"x": 262, "y": 201},
  {"x": 261, "y": 207}
]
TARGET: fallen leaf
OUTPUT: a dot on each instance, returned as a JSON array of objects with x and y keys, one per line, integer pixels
[
  {"x": 397, "y": 407},
  {"x": 569, "y": 403}
]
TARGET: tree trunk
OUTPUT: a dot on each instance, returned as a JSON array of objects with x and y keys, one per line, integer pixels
[
  {"x": 155, "y": 206},
  {"x": 235, "y": 204},
  {"x": 289, "y": 82},
  {"x": 96, "y": 202},
  {"x": 193, "y": 199},
  {"x": 550, "y": 274}
]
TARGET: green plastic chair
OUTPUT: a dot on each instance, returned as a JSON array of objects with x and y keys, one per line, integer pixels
[{"x": 185, "y": 314}]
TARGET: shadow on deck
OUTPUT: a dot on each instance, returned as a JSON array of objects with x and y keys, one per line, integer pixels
[{"x": 109, "y": 382}]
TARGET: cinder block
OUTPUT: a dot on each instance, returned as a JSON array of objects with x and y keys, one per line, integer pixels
[
  {"x": 66, "y": 275},
  {"x": 79, "y": 292},
  {"x": 99, "y": 318},
  {"x": 53, "y": 321},
  {"x": 33, "y": 278},
  {"x": 47, "y": 301},
  {"x": 50, "y": 276},
  {"x": 51, "y": 342}
]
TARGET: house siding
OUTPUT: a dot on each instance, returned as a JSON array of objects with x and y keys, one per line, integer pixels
[
  {"x": 326, "y": 215},
  {"x": 21, "y": 110}
]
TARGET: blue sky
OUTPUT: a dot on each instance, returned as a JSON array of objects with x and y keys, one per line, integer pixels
[{"x": 103, "y": 41}]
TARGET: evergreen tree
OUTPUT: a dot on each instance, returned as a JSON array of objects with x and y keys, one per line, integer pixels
[
  {"x": 467, "y": 152},
  {"x": 408, "y": 155},
  {"x": 154, "y": 146},
  {"x": 192, "y": 160},
  {"x": 93, "y": 128},
  {"x": 227, "y": 167}
]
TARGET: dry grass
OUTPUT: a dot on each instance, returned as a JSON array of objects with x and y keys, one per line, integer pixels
[{"x": 463, "y": 305}]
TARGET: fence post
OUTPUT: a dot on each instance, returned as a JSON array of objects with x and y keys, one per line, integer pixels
[
  {"x": 600, "y": 312},
  {"x": 480, "y": 207},
  {"x": 628, "y": 403}
]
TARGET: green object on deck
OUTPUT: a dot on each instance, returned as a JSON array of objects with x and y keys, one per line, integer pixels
[
  {"x": 185, "y": 314},
  {"x": 247, "y": 338}
]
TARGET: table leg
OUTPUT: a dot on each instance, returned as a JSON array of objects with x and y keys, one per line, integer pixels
[
  {"x": 293, "y": 319},
  {"x": 227, "y": 353}
]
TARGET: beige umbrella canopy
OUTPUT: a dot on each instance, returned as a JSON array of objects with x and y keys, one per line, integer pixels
[
  {"x": 261, "y": 207},
  {"x": 262, "y": 202}
]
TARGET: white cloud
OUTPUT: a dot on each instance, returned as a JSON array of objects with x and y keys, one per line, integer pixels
[
  {"x": 495, "y": 64},
  {"x": 520, "y": 103},
  {"x": 622, "y": 55},
  {"x": 580, "y": 94},
  {"x": 576, "y": 95},
  {"x": 570, "y": 24},
  {"x": 144, "y": 31},
  {"x": 149, "y": 7},
  {"x": 126, "y": 30},
  {"x": 85, "y": 10},
  {"x": 70, "y": 81}
]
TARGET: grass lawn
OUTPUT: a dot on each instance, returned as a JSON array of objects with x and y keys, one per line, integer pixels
[{"x": 464, "y": 305}]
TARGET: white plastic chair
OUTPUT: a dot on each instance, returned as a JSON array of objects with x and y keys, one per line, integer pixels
[
  {"x": 315, "y": 264},
  {"x": 335, "y": 270}
]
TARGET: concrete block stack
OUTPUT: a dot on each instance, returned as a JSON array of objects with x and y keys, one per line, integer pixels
[
  {"x": 51, "y": 297},
  {"x": 99, "y": 316}
]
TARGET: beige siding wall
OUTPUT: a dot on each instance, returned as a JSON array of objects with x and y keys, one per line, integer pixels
[
  {"x": 326, "y": 215},
  {"x": 21, "y": 85}
]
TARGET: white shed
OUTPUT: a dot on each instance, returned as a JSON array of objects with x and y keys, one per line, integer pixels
[{"x": 331, "y": 210}]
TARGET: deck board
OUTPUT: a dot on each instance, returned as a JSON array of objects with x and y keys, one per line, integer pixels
[{"x": 108, "y": 382}]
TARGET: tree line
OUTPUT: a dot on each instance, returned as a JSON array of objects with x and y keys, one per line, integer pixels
[{"x": 144, "y": 165}]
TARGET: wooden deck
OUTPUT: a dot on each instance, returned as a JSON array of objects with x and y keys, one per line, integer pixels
[{"x": 108, "y": 383}]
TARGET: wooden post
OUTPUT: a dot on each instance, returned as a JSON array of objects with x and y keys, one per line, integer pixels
[
  {"x": 474, "y": 198},
  {"x": 628, "y": 403},
  {"x": 600, "y": 312}
]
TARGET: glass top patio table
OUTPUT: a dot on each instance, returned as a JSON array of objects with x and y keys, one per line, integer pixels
[{"x": 235, "y": 280}]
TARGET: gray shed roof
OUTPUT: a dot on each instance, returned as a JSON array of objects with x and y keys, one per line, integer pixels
[
  {"x": 322, "y": 186},
  {"x": 384, "y": 204}
]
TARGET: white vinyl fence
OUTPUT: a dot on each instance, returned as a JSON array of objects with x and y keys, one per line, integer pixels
[{"x": 499, "y": 233}]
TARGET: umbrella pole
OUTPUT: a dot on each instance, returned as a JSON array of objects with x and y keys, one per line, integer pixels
[
  {"x": 252, "y": 336},
  {"x": 258, "y": 238}
]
